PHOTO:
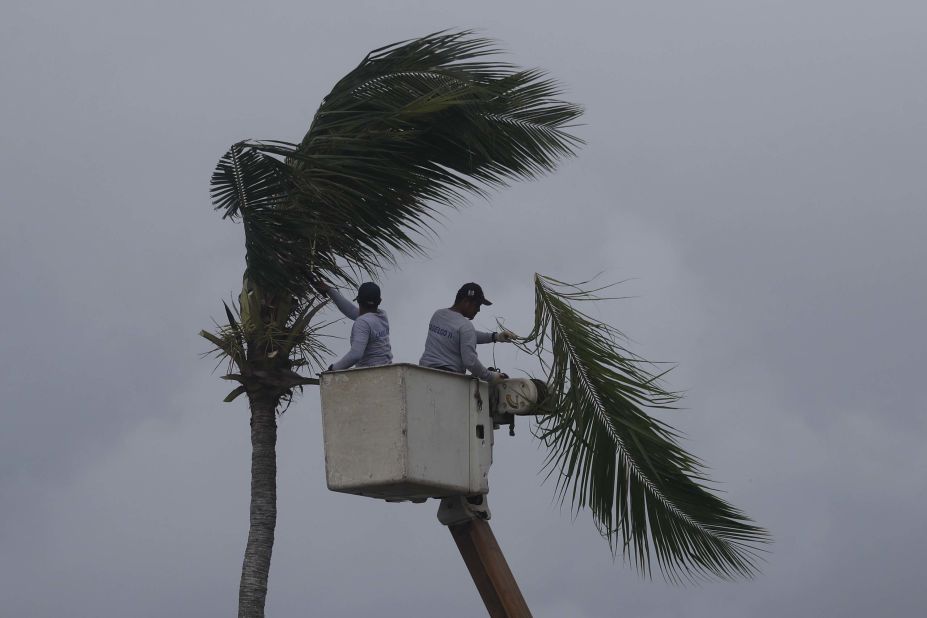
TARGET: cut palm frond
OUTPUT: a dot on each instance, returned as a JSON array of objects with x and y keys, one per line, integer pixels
[{"x": 609, "y": 455}]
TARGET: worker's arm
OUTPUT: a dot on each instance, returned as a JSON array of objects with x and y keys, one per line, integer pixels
[
  {"x": 503, "y": 336},
  {"x": 346, "y": 307},
  {"x": 468, "y": 339},
  {"x": 484, "y": 337},
  {"x": 360, "y": 335}
]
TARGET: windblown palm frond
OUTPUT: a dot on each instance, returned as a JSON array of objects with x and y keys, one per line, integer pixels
[
  {"x": 609, "y": 455},
  {"x": 255, "y": 187},
  {"x": 416, "y": 125}
]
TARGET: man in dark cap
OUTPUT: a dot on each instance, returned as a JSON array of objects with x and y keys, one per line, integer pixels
[
  {"x": 370, "y": 333},
  {"x": 452, "y": 339}
]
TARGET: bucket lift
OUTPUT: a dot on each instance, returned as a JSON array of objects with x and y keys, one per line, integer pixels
[
  {"x": 408, "y": 433},
  {"x": 404, "y": 432}
]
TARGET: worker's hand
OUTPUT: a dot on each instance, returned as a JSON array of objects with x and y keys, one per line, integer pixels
[
  {"x": 495, "y": 376},
  {"x": 506, "y": 336},
  {"x": 320, "y": 286}
]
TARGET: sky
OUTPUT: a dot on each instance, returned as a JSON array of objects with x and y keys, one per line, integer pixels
[{"x": 754, "y": 170}]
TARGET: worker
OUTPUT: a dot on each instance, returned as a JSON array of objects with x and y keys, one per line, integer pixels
[
  {"x": 451, "y": 341},
  {"x": 370, "y": 333}
]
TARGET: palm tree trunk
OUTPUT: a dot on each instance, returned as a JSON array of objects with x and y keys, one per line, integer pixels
[{"x": 256, "y": 565}]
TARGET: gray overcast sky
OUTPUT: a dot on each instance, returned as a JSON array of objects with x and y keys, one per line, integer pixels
[{"x": 757, "y": 169}]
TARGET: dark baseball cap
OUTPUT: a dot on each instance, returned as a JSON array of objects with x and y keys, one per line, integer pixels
[
  {"x": 368, "y": 294},
  {"x": 472, "y": 291}
]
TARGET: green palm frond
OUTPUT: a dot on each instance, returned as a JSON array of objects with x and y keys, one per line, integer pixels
[
  {"x": 246, "y": 179},
  {"x": 609, "y": 455},
  {"x": 282, "y": 339},
  {"x": 415, "y": 126},
  {"x": 252, "y": 183},
  {"x": 420, "y": 124}
]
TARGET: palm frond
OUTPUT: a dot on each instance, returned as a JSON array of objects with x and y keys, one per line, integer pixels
[
  {"x": 417, "y": 125},
  {"x": 282, "y": 338},
  {"x": 245, "y": 179},
  {"x": 252, "y": 186},
  {"x": 608, "y": 454}
]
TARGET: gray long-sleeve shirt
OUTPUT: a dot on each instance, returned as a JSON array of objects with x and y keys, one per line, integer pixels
[
  {"x": 369, "y": 335},
  {"x": 451, "y": 344}
]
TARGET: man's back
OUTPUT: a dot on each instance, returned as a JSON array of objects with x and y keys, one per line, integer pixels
[
  {"x": 377, "y": 350},
  {"x": 451, "y": 340},
  {"x": 370, "y": 344},
  {"x": 442, "y": 344},
  {"x": 451, "y": 344}
]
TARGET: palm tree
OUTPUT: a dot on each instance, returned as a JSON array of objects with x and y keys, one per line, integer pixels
[{"x": 416, "y": 126}]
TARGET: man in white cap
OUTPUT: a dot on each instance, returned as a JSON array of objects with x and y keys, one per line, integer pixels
[
  {"x": 370, "y": 333},
  {"x": 452, "y": 339}
]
